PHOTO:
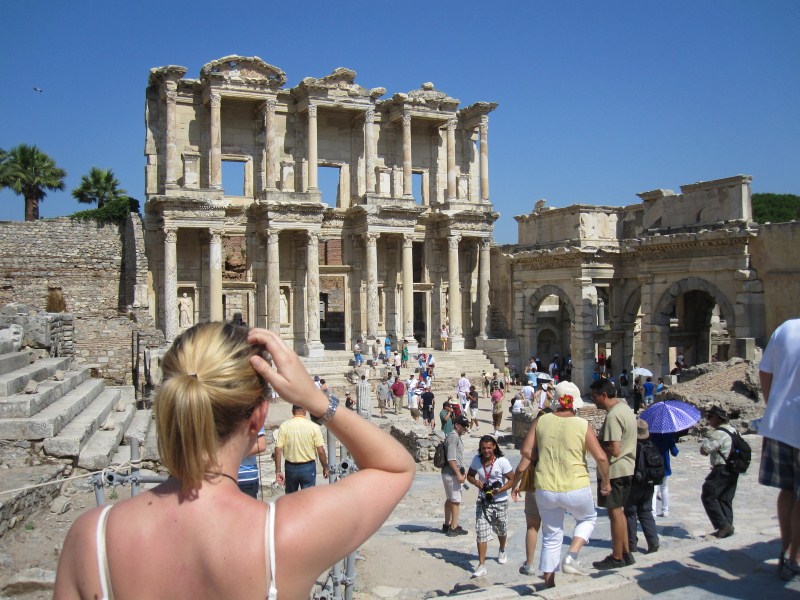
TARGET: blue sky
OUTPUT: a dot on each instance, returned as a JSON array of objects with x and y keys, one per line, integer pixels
[{"x": 598, "y": 100}]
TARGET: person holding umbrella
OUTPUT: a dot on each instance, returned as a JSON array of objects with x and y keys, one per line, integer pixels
[{"x": 664, "y": 419}]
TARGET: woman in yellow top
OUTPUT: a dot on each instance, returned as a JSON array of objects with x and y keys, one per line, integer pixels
[{"x": 557, "y": 446}]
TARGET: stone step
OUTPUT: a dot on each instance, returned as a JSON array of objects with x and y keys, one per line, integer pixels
[
  {"x": 52, "y": 419},
  {"x": 14, "y": 382},
  {"x": 96, "y": 454},
  {"x": 11, "y": 361},
  {"x": 150, "y": 449},
  {"x": 77, "y": 432},
  {"x": 27, "y": 405},
  {"x": 142, "y": 421}
]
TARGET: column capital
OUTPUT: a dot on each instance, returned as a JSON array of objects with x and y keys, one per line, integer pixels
[
  {"x": 486, "y": 243},
  {"x": 453, "y": 241},
  {"x": 408, "y": 240},
  {"x": 645, "y": 278},
  {"x": 313, "y": 238},
  {"x": 406, "y": 120},
  {"x": 312, "y": 110},
  {"x": 170, "y": 92},
  {"x": 371, "y": 238},
  {"x": 369, "y": 115},
  {"x": 215, "y": 234},
  {"x": 483, "y": 127},
  {"x": 583, "y": 281},
  {"x": 171, "y": 234},
  {"x": 452, "y": 124},
  {"x": 215, "y": 99}
]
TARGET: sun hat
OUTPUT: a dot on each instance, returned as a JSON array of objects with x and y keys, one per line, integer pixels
[
  {"x": 716, "y": 410},
  {"x": 567, "y": 395},
  {"x": 642, "y": 430}
]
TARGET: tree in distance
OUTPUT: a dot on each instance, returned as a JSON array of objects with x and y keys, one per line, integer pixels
[
  {"x": 775, "y": 208},
  {"x": 99, "y": 186},
  {"x": 29, "y": 172}
]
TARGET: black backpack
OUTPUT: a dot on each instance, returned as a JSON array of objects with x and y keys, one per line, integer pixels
[
  {"x": 739, "y": 459},
  {"x": 649, "y": 465},
  {"x": 623, "y": 380},
  {"x": 440, "y": 455}
]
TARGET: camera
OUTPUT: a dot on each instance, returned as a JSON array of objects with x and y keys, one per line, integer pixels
[{"x": 488, "y": 493}]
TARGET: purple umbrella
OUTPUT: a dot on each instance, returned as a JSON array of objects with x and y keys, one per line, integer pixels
[{"x": 670, "y": 416}]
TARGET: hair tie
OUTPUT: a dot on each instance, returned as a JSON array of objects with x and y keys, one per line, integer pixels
[{"x": 194, "y": 375}]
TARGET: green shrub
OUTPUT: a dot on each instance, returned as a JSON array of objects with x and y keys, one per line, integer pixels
[{"x": 113, "y": 211}]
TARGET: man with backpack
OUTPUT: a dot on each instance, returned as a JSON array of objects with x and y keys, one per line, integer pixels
[
  {"x": 648, "y": 472},
  {"x": 719, "y": 487},
  {"x": 453, "y": 476}
]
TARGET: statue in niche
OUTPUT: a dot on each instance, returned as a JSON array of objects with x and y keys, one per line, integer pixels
[
  {"x": 185, "y": 317},
  {"x": 601, "y": 312},
  {"x": 284, "y": 308}
]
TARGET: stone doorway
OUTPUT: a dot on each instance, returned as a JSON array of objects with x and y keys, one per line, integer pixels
[
  {"x": 332, "y": 312},
  {"x": 422, "y": 331}
]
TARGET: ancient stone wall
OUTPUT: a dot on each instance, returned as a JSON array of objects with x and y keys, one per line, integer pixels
[
  {"x": 83, "y": 262},
  {"x": 774, "y": 257}
]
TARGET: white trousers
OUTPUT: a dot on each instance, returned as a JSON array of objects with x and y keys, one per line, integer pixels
[
  {"x": 552, "y": 506},
  {"x": 663, "y": 491}
]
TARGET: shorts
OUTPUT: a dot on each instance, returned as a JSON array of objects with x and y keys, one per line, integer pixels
[
  {"x": 490, "y": 517},
  {"x": 382, "y": 402},
  {"x": 780, "y": 466},
  {"x": 620, "y": 490},
  {"x": 452, "y": 487},
  {"x": 427, "y": 413},
  {"x": 531, "y": 508},
  {"x": 414, "y": 412},
  {"x": 473, "y": 412}
]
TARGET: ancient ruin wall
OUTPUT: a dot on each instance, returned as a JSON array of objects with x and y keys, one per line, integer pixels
[
  {"x": 774, "y": 257},
  {"x": 83, "y": 260}
]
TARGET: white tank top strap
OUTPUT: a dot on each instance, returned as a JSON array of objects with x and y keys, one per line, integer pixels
[
  {"x": 102, "y": 558},
  {"x": 269, "y": 547}
]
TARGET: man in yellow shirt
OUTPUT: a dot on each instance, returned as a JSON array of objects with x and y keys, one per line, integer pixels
[{"x": 300, "y": 442}]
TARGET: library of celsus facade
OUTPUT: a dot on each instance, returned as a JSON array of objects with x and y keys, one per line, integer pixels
[{"x": 402, "y": 247}]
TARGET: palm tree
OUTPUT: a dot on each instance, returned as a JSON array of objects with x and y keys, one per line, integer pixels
[
  {"x": 99, "y": 186},
  {"x": 29, "y": 172}
]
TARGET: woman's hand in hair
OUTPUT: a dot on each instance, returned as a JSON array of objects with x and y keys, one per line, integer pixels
[{"x": 287, "y": 375}]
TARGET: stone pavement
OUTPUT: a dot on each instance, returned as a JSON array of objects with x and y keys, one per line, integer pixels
[{"x": 409, "y": 557}]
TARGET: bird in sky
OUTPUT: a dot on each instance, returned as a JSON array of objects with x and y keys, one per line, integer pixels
[{"x": 38, "y": 90}]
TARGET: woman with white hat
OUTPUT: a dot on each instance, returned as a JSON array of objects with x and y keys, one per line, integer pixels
[{"x": 557, "y": 446}]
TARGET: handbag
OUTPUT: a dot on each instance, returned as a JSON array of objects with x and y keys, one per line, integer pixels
[{"x": 527, "y": 479}]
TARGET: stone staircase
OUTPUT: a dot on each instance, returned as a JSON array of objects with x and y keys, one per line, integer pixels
[
  {"x": 59, "y": 405},
  {"x": 337, "y": 365}
]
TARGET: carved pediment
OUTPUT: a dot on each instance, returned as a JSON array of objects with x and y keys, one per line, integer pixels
[
  {"x": 169, "y": 72},
  {"x": 427, "y": 96},
  {"x": 339, "y": 84},
  {"x": 244, "y": 69}
]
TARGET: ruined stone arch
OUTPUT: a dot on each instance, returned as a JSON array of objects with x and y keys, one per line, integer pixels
[
  {"x": 550, "y": 290},
  {"x": 661, "y": 316}
]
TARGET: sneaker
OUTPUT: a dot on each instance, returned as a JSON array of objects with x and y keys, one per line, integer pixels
[
  {"x": 502, "y": 558},
  {"x": 457, "y": 531},
  {"x": 789, "y": 570},
  {"x": 479, "y": 571},
  {"x": 527, "y": 569},
  {"x": 452, "y": 533},
  {"x": 609, "y": 562},
  {"x": 663, "y": 513},
  {"x": 628, "y": 559},
  {"x": 572, "y": 566},
  {"x": 445, "y": 528}
]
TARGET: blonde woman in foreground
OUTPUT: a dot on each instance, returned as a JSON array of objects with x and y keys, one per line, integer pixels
[{"x": 197, "y": 536}]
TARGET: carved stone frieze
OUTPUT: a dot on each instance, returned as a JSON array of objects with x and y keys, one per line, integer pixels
[
  {"x": 245, "y": 69},
  {"x": 340, "y": 84}
]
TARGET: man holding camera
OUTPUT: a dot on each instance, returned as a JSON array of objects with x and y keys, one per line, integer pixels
[
  {"x": 453, "y": 477},
  {"x": 492, "y": 474}
]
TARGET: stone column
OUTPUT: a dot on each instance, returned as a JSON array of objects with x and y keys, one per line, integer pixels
[
  {"x": 272, "y": 155},
  {"x": 451, "y": 159},
  {"x": 454, "y": 294},
  {"x": 371, "y": 240},
  {"x": 484, "y": 131},
  {"x": 313, "y": 346},
  {"x": 369, "y": 149},
  {"x": 312, "y": 147},
  {"x": 408, "y": 290},
  {"x": 407, "y": 178},
  {"x": 216, "y": 142},
  {"x": 655, "y": 334},
  {"x": 215, "y": 274},
  {"x": 483, "y": 288},
  {"x": 170, "y": 283},
  {"x": 273, "y": 282},
  {"x": 583, "y": 330},
  {"x": 171, "y": 154}
]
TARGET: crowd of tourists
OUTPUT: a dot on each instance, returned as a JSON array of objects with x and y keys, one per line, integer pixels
[{"x": 210, "y": 415}]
